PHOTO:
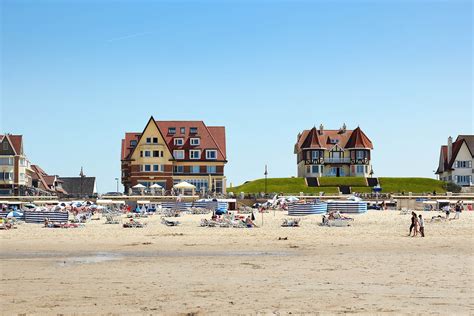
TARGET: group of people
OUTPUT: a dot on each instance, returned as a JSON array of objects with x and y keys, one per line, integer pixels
[
  {"x": 417, "y": 225},
  {"x": 458, "y": 208}
]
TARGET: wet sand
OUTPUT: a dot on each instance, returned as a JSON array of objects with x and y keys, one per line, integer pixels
[{"x": 370, "y": 267}]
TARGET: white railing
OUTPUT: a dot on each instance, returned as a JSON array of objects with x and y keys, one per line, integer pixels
[{"x": 337, "y": 160}]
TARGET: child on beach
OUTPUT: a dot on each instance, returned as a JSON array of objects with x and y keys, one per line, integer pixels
[{"x": 422, "y": 225}]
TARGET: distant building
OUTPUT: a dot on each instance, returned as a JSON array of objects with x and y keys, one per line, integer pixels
[
  {"x": 456, "y": 161},
  {"x": 168, "y": 152},
  {"x": 15, "y": 168},
  {"x": 45, "y": 184},
  {"x": 333, "y": 153}
]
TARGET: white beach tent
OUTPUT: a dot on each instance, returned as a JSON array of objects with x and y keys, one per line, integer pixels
[{"x": 185, "y": 186}]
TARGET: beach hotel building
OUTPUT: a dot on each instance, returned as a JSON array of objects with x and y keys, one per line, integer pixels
[
  {"x": 456, "y": 161},
  {"x": 333, "y": 153},
  {"x": 168, "y": 152},
  {"x": 15, "y": 169}
]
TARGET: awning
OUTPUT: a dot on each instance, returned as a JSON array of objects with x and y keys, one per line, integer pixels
[{"x": 143, "y": 202}]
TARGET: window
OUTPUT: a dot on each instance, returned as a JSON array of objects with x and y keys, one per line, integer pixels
[
  {"x": 463, "y": 179},
  {"x": 463, "y": 164},
  {"x": 314, "y": 169},
  {"x": 178, "y": 169},
  {"x": 172, "y": 130},
  {"x": 161, "y": 153},
  {"x": 146, "y": 168},
  {"x": 360, "y": 154},
  {"x": 315, "y": 154},
  {"x": 194, "y": 154},
  {"x": 148, "y": 140},
  {"x": 195, "y": 141},
  {"x": 141, "y": 153},
  {"x": 211, "y": 154},
  {"x": 5, "y": 145},
  {"x": 6, "y": 161},
  {"x": 155, "y": 140},
  {"x": 211, "y": 169},
  {"x": 182, "y": 130},
  {"x": 156, "y": 153},
  {"x": 178, "y": 141},
  {"x": 158, "y": 168},
  {"x": 22, "y": 176},
  {"x": 147, "y": 153},
  {"x": 133, "y": 143},
  {"x": 360, "y": 169},
  {"x": 6, "y": 175},
  {"x": 178, "y": 154},
  {"x": 195, "y": 169},
  {"x": 193, "y": 130}
]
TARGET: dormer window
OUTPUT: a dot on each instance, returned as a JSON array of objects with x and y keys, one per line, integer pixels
[
  {"x": 178, "y": 141},
  {"x": 172, "y": 130},
  {"x": 194, "y": 154},
  {"x": 195, "y": 141},
  {"x": 211, "y": 154},
  {"x": 133, "y": 143},
  {"x": 182, "y": 130},
  {"x": 193, "y": 130}
]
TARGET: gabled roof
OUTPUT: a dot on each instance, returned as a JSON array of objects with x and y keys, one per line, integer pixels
[
  {"x": 312, "y": 140},
  {"x": 347, "y": 139},
  {"x": 79, "y": 185},
  {"x": 358, "y": 139},
  {"x": 211, "y": 137},
  {"x": 16, "y": 141},
  {"x": 444, "y": 164}
]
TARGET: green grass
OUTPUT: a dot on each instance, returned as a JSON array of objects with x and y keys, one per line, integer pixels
[
  {"x": 285, "y": 185},
  {"x": 350, "y": 181},
  {"x": 415, "y": 185},
  {"x": 329, "y": 185}
]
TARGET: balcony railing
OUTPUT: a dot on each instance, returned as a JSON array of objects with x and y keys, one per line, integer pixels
[{"x": 337, "y": 160}]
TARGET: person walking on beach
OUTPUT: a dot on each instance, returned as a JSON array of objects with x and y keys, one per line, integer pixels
[
  {"x": 416, "y": 229},
  {"x": 458, "y": 209},
  {"x": 422, "y": 225},
  {"x": 412, "y": 226},
  {"x": 447, "y": 209}
]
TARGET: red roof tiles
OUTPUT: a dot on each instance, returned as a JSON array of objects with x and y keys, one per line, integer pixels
[{"x": 349, "y": 139}]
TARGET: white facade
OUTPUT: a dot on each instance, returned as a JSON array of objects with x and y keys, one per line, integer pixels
[{"x": 456, "y": 163}]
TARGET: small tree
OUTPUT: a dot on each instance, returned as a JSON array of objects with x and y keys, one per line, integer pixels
[{"x": 452, "y": 187}]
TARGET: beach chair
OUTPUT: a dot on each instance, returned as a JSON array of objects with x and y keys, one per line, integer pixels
[{"x": 164, "y": 221}]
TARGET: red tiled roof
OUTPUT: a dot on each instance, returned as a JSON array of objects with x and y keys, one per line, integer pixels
[
  {"x": 126, "y": 148},
  {"x": 358, "y": 139},
  {"x": 312, "y": 140},
  {"x": 211, "y": 137},
  {"x": 328, "y": 138},
  {"x": 207, "y": 140},
  {"x": 16, "y": 141}
]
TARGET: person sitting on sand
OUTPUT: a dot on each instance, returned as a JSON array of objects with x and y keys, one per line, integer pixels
[{"x": 249, "y": 222}]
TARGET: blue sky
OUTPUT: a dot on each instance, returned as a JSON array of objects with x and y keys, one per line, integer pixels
[{"x": 76, "y": 75}]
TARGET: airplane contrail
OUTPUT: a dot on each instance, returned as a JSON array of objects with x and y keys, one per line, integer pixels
[{"x": 128, "y": 36}]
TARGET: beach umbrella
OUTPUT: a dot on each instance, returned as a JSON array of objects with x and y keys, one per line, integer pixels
[
  {"x": 14, "y": 214},
  {"x": 156, "y": 186},
  {"x": 184, "y": 185},
  {"x": 139, "y": 186}
]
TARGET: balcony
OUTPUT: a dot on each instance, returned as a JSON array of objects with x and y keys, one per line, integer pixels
[{"x": 337, "y": 160}]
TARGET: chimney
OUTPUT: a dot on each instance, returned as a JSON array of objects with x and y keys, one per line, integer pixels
[
  {"x": 450, "y": 148},
  {"x": 321, "y": 129}
]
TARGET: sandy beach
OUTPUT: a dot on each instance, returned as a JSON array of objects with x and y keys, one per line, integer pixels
[{"x": 370, "y": 267}]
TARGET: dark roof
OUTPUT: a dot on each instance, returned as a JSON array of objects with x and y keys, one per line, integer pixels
[
  {"x": 349, "y": 139},
  {"x": 444, "y": 164},
  {"x": 78, "y": 185}
]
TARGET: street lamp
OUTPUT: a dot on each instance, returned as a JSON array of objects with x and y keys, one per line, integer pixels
[
  {"x": 371, "y": 172},
  {"x": 266, "y": 174},
  {"x": 116, "y": 179}
]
